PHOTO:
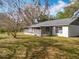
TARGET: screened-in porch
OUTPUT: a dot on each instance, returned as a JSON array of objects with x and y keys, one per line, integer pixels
[{"x": 49, "y": 31}]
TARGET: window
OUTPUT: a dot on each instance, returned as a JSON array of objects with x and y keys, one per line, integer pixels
[
  {"x": 58, "y": 29},
  {"x": 37, "y": 28}
]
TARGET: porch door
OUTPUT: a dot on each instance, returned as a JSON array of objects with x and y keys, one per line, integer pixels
[{"x": 46, "y": 31}]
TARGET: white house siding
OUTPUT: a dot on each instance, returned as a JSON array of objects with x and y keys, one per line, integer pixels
[
  {"x": 28, "y": 31},
  {"x": 73, "y": 30},
  {"x": 37, "y": 32},
  {"x": 32, "y": 31},
  {"x": 54, "y": 31},
  {"x": 65, "y": 32}
]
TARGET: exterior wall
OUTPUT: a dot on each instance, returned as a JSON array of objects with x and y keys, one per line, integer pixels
[
  {"x": 37, "y": 32},
  {"x": 28, "y": 31},
  {"x": 31, "y": 31},
  {"x": 54, "y": 31},
  {"x": 65, "y": 32},
  {"x": 73, "y": 30}
]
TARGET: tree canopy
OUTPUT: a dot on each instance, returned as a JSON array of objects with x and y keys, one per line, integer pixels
[{"x": 68, "y": 11}]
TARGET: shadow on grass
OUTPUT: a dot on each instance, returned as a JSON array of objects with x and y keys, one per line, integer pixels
[
  {"x": 37, "y": 48},
  {"x": 3, "y": 37}
]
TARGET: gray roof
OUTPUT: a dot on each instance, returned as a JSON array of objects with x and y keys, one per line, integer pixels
[{"x": 59, "y": 22}]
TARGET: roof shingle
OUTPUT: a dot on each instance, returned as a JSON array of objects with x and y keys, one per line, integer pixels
[{"x": 59, "y": 22}]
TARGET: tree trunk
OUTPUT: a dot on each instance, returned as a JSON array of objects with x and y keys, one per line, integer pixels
[{"x": 14, "y": 34}]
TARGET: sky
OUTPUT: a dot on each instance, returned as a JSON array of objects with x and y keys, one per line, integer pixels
[{"x": 54, "y": 5}]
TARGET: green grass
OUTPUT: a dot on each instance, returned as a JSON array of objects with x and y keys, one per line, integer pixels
[{"x": 33, "y": 47}]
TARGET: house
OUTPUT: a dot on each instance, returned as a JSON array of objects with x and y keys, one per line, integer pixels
[{"x": 62, "y": 27}]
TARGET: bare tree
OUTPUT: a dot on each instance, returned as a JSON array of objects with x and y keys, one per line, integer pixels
[
  {"x": 15, "y": 18},
  {"x": 40, "y": 10},
  {"x": 18, "y": 15}
]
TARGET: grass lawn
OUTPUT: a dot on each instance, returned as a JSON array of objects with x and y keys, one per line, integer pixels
[{"x": 32, "y": 47}]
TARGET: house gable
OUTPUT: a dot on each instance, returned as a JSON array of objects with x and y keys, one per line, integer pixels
[{"x": 75, "y": 22}]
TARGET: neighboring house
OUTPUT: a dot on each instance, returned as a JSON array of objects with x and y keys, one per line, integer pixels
[{"x": 63, "y": 27}]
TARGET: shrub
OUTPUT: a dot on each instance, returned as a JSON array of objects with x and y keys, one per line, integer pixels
[{"x": 2, "y": 30}]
